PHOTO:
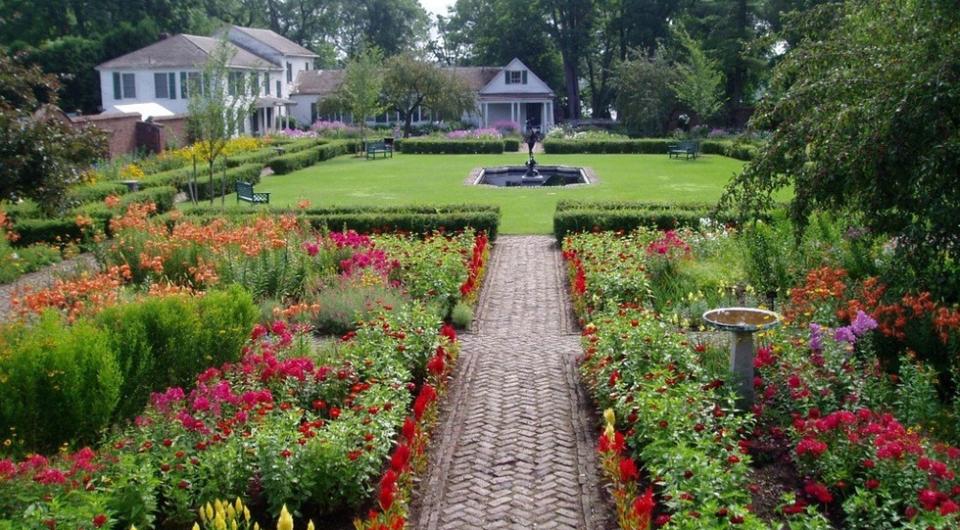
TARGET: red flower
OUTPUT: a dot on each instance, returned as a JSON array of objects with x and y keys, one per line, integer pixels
[
  {"x": 401, "y": 455},
  {"x": 409, "y": 429},
  {"x": 872, "y": 484},
  {"x": 99, "y": 520},
  {"x": 449, "y": 332},
  {"x": 948, "y": 507},
  {"x": 628, "y": 470},
  {"x": 643, "y": 507},
  {"x": 929, "y": 499},
  {"x": 436, "y": 365},
  {"x": 818, "y": 491}
]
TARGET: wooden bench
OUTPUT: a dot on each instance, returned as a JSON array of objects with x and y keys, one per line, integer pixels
[
  {"x": 379, "y": 147},
  {"x": 687, "y": 148},
  {"x": 245, "y": 193}
]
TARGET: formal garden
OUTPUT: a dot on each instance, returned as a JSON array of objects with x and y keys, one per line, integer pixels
[{"x": 283, "y": 331}]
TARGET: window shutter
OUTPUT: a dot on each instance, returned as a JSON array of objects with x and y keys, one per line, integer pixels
[
  {"x": 524, "y": 77},
  {"x": 117, "y": 94},
  {"x": 266, "y": 83},
  {"x": 172, "y": 84},
  {"x": 184, "y": 91},
  {"x": 160, "y": 86},
  {"x": 506, "y": 76}
]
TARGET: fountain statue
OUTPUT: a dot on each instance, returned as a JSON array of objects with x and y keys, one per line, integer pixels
[{"x": 531, "y": 139}]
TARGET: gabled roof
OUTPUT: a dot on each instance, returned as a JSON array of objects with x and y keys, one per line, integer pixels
[
  {"x": 536, "y": 86},
  {"x": 278, "y": 42},
  {"x": 476, "y": 77},
  {"x": 318, "y": 82},
  {"x": 184, "y": 50}
]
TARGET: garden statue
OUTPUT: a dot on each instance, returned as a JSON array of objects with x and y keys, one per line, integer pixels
[{"x": 532, "y": 137}]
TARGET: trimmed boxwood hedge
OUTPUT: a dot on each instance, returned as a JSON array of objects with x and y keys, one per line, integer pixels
[
  {"x": 94, "y": 192},
  {"x": 650, "y": 146},
  {"x": 246, "y": 173},
  {"x": 438, "y": 146},
  {"x": 576, "y": 216},
  {"x": 510, "y": 145},
  {"x": 413, "y": 219},
  {"x": 300, "y": 159},
  {"x": 53, "y": 231}
]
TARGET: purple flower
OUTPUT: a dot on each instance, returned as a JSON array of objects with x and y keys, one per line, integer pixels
[
  {"x": 845, "y": 334},
  {"x": 863, "y": 323},
  {"x": 816, "y": 337}
]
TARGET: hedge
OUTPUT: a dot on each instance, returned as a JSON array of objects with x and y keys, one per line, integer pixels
[
  {"x": 94, "y": 192},
  {"x": 413, "y": 219},
  {"x": 652, "y": 146},
  {"x": 572, "y": 217},
  {"x": 246, "y": 173},
  {"x": 53, "y": 231},
  {"x": 435, "y": 146},
  {"x": 300, "y": 159},
  {"x": 510, "y": 145}
]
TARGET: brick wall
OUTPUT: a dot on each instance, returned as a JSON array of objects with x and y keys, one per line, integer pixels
[
  {"x": 121, "y": 130},
  {"x": 174, "y": 130}
]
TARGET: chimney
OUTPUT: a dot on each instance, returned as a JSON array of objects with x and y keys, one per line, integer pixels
[{"x": 163, "y": 36}]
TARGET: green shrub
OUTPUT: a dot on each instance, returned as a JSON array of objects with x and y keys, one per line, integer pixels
[
  {"x": 309, "y": 156},
  {"x": 649, "y": 146},
  {"x": 626, "y": 219},
  {"x": 166, "y": 341},
  {"x": 59, "y": 383},
  {"x": 260, "y": 156},
  {"x": 94, "y": 192},
  {"x": 52, "y": 231},
  {"x": 175, "y": 177},
  {"x": 434, "y": 146},
  {"x": 345, "y": 303},
  {"x": 511, "y": 145},
  {"x": 224, "y": 181},
  {"x": 462, "y": 315}
]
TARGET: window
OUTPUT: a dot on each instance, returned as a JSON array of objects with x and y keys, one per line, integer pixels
[
  {"x": 307, "y": 65},
  {"x": 254, "y": 83},
  {"x": 289, "y": 73},
  {"x": 279, "y": 93},
  {"x": 129, "y": 86},
  {"x": 235, "y": 83},
  {"x": 266, "y": 83},
  {"x": 117, "y": 87},
  {"x": 313, "y": 113},
  {"x": 516, "y": 77}
]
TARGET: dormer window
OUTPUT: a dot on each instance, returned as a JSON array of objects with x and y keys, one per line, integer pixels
[{"x": 516, "y": 77}]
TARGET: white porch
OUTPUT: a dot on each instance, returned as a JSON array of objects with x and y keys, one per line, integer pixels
[
  {"x": 538, "y": 111},
  {"x": 270, "y": 114}
]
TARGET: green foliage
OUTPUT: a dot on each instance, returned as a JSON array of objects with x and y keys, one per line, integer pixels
[
  {"x": 409, "y": 83},
  {"x": 166, "y": 341},
  {"x": 41, "y": 154},
  {"x": 644, "y": 95},
  {"x": 444, "y": 146},
  {"x": 301, "y": 158},
  {"x": 359, "y": 93},
  {"x": 768, "y": 258},
  {"x": 699, "y": 79},
  {"x": 462, "y": 315},
  {"x": 866, "y": 119},
  {"x": 59, "y": 383},
  {"x": 56, "y": 231},
  {"x": 345, "y": 303},
  {"x": 592, "y": 216},
  {"x": 739, "y": 150}
]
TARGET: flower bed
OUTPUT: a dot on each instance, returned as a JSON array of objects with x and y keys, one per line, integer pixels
[
  {"x": 278, "y": 425},
  {"x": 863, "y": 446}
]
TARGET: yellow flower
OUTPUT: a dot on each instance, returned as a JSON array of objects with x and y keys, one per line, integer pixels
[
  {"x": 286, "y": 520},
  {"x": 196, "y": 526},
  {"x": 609, "y": 416},
  {"x": 310, "y": 525}
]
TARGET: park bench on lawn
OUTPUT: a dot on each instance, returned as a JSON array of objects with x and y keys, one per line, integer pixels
[
  {"x": 379, "y": 147},
  {"x": 687, "y": 148},
  {"x": 245, "y": 193}
]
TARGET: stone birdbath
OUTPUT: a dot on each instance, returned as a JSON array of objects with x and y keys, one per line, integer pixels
[{"x": 742, "y": 323}]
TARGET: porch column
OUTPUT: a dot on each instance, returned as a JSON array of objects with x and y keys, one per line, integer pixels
[
  {"x": 543, "y": 116},
  {"x": 483, "y": 115}
]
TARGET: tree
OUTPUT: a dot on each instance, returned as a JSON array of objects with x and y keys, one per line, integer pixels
[
  {"x": 866, "y": 118},
  {"x": 410, "y": 83},
  {"x": 699, "y": 83},
  {"x": 214, "y": 115},
  {"x": 362, "y": 84},
  {"x": 570, "y": 24},
  {"x": 41, "y": 154},
  {"x": 645, "y": 98}
]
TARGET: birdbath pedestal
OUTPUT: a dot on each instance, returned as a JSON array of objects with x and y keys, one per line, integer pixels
[{"x": 742, "y": 323}]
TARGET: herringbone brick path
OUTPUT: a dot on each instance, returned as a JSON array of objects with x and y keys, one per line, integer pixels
[{"x": 515, "y": 445}]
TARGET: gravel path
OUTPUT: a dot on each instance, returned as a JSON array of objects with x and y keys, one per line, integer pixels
[
  {"x": 42, "y": 279},
  {"x": 515, "y": 446}
]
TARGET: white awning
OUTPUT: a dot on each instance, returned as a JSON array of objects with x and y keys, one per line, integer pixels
[{"x": 145, "y": 110}]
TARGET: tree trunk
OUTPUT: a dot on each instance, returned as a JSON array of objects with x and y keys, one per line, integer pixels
[
  {"x": 572, "y": 84},
  {"x": 210, "y": 188},
  {"x": 192, "y": 188},
  {"x": 223, "y": 187},
  {"x": 407, "y": 125}
]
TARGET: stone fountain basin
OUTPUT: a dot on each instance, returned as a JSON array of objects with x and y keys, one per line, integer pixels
[
  {"x": 547, "y": 176},
  {"x": 741, "y": 319}
]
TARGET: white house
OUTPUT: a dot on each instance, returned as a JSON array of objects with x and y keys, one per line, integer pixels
[
  {"x": 155, "y": 80},
  {"x": 510, "y": 93}
]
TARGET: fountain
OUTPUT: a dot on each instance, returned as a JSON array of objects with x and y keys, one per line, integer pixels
[
  {"x": 742, "y": 322},
  {"x": 532, "y": 173}
]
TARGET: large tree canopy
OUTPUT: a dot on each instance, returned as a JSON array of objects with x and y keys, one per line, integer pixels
[
  {"x": 40, "y": 154},
  {"x": 866, "y": 117},
  {"x": 409, "y": 83}
]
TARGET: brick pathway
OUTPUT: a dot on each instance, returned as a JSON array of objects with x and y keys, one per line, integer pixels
[{"x": 515, "y": 446}]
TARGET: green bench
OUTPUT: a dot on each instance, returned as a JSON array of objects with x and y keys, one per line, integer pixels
[
  {"x": 687, "y": 148},
  {"x": 245, "y": 193},
  {"x": 379, "y": 147}
]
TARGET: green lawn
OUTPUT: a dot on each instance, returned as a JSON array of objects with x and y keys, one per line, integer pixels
[{"x": 438, "y": 179}]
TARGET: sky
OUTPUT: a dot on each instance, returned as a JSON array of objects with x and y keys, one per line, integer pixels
[{"x": 436, "y": 7}]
